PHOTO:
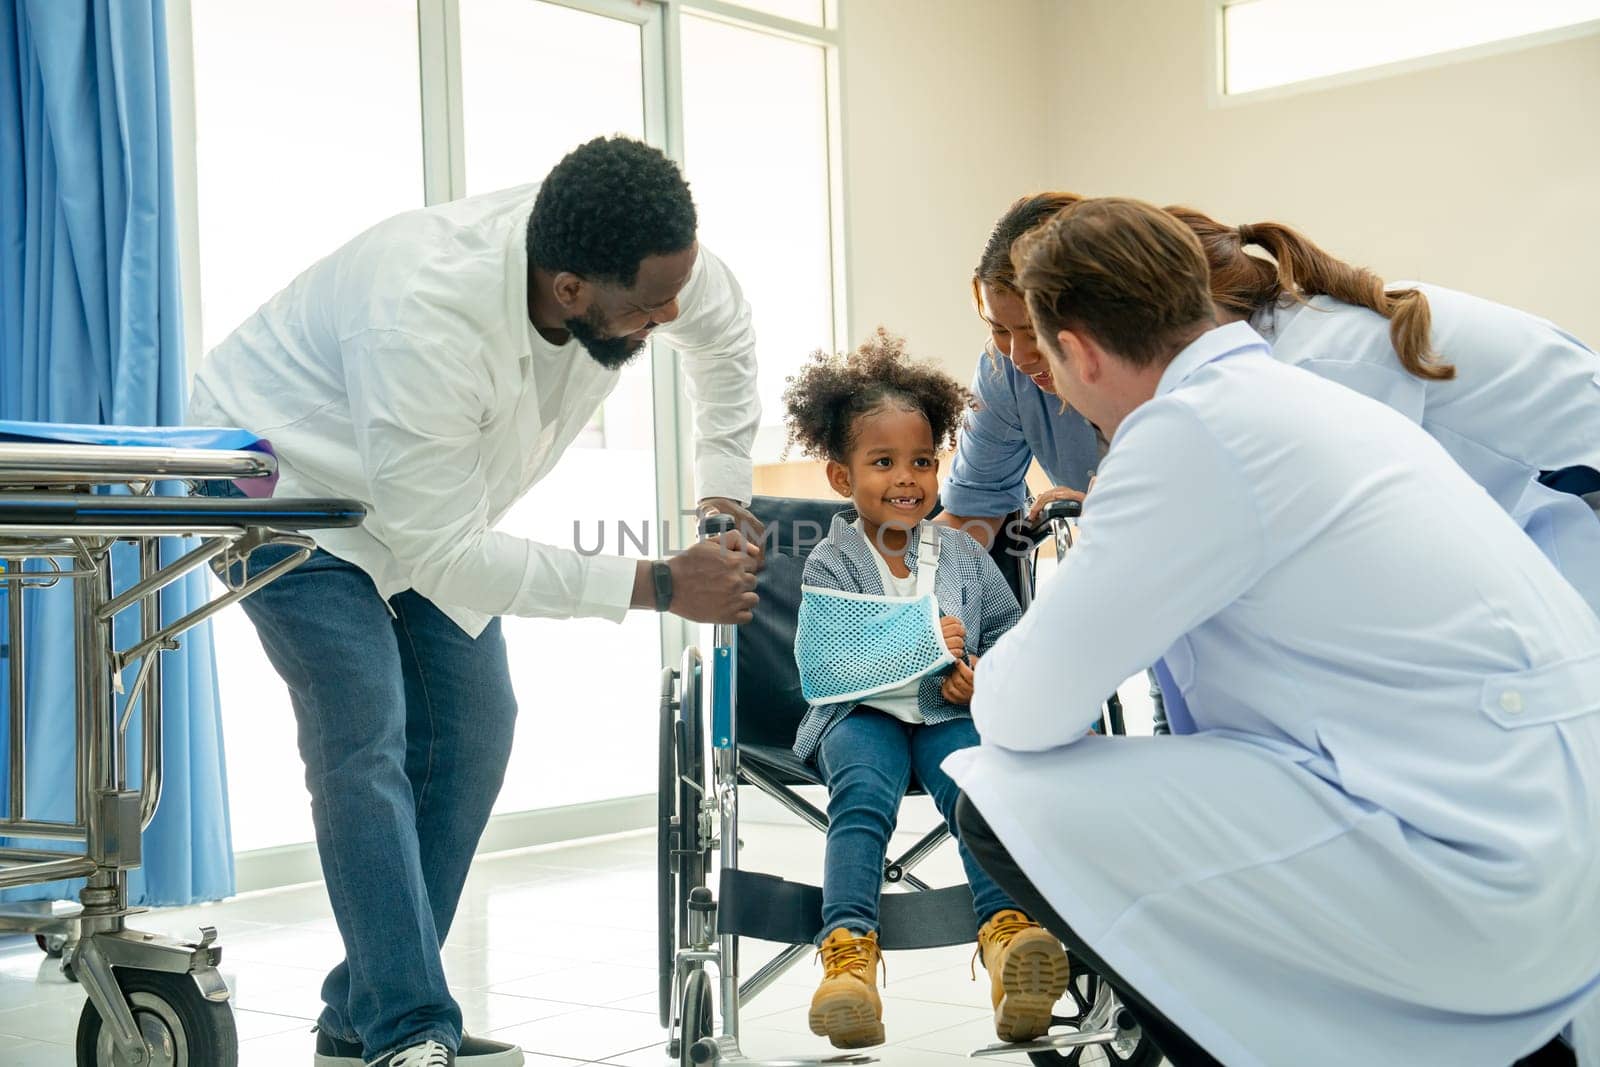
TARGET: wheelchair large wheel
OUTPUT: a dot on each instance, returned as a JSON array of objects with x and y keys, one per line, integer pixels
[
  {"x": 1133, "y": 1049},
  {"x": 666, "y": 796},
  {"x": 683, "y": 860},
  {"x": 181, "y": 1028},
  {"x": 693, "y": 854},
  {"x": 697, "y": 1020}
]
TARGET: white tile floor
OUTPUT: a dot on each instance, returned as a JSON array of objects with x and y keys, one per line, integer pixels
[{"x": 554, "y": 949}]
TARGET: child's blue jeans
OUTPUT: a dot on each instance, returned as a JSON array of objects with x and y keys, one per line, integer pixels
[{"x": 867, "y": 760}]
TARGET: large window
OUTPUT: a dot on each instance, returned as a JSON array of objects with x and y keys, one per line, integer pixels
[
  {"x": 396, "y": 103},
  {"x": 1269, "y": 43},
  {"x": 756, "y": 150}
]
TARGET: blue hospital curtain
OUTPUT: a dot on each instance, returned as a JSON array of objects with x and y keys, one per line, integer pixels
[{"x": 91, "y": 332}]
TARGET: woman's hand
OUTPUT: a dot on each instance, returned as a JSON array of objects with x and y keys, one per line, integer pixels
[
  {"x": 957, "y": 685},
  {"x": 1051, "y": 495},
  {"x": 955, "y": 636}
]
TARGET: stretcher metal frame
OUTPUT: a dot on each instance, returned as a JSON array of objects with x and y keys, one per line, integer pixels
[{"x": 55, "y": 513}]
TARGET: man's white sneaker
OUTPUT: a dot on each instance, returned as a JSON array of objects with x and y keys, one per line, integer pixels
[{"x": 474, "y": 1052}]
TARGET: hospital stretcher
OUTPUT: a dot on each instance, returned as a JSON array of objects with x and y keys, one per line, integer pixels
[{"x": 87, "y": 506}]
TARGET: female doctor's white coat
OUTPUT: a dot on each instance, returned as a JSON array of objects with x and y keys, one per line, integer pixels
[
  {"x": 1380, "y": 843},
  {"x": 1525, "y": 399}
]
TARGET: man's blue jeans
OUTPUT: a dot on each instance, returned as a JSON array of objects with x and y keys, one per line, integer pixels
[
  {"x": 867, "y": 760},
  {"x": 405, "y": 727}
]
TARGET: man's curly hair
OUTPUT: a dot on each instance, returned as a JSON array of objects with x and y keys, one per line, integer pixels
[
  {"x": 827, "y": 397},
  {"x": 605, "y": 207}
]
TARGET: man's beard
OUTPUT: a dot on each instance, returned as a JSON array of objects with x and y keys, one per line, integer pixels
[{"x": 612, "y": 353}]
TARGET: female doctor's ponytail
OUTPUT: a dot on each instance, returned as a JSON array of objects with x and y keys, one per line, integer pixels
[{"x": 1243, "y": 283}]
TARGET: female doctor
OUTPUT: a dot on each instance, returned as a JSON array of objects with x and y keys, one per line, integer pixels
[
  {"x": 1373, "y": 840},
  {"x": 1510, "y": 396}
]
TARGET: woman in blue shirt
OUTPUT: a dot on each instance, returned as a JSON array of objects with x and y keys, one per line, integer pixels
[{"x": 1019, "y": 418}]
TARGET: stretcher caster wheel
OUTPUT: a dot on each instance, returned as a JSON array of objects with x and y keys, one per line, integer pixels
[
  {"x": 181, "y": 1028},
  {"x": 51, "y": 945},
  {"x": 696, "y": 1020}
]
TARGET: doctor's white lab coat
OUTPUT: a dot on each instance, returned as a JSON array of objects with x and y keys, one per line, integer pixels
[
  {"x": 1525, "y": 399},
  {"x": 1381, "y": 842}
]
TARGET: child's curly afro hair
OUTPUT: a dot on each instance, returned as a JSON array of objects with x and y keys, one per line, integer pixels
[{"x": 830, "y": 393}]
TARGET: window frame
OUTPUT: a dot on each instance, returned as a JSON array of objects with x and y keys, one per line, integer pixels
[{"x": 1217, "y": 66}]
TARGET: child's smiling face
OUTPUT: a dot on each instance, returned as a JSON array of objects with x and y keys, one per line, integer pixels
[{"x": 893, "y": 471}]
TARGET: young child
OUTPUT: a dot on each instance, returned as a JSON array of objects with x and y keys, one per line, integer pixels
[{"x": 879, "y": 419}]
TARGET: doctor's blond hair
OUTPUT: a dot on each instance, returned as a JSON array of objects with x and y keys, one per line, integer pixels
[
  {"x": 1124, "y": 271},
  {"x": 1244, "y": 283}
]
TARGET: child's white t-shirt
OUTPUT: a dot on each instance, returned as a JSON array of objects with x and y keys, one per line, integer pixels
[{"x": 900, "y": 702}]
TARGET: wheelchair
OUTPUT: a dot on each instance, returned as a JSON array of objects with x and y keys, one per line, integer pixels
[{"x": 730, "y": 723}]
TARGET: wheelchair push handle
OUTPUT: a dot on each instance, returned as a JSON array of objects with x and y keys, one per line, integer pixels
[
  {"x": 716, "y": 525},
  {"x": 1051, "y": 517},
  {"x": 1061, "y": 509}
]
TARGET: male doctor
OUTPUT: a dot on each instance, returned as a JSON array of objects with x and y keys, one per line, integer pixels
[
  {"x": 1373, "y": 841},
  {"x": 436, "y": 367}
]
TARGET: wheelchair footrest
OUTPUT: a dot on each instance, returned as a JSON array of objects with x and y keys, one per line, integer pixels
[
  {"x": 1057, "y": 1042},
  {"x": 751, "y": 904}
]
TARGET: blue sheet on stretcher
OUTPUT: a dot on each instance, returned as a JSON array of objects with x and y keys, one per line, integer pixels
[
  {"x": 226, "y": 439},
  {"x": 210, "y": 438}
]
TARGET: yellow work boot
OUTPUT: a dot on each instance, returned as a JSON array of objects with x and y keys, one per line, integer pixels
[
  {"x": 846, "y": 1009},
  {"x": 1027, "y": 974}
]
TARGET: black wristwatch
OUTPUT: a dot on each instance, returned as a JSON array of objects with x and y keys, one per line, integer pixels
[{"x": 661, "y": 578}]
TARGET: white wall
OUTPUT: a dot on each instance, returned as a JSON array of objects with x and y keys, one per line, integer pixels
[
  {"x": 936, "y": 148},
  {"x": 1480, "y": 174}
]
